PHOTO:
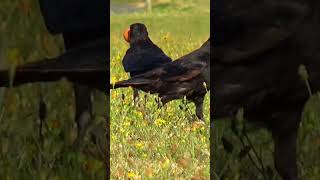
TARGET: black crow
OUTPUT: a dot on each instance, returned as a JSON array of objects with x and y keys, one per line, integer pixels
[
  {"x": 259, "y": 48},
  {"x": 187, "y": 77},
  {"x": 143, "y": 55}
]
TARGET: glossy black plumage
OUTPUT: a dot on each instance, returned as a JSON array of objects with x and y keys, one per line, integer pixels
[
  {"x": 265, "y": 79},
  {"x": 85, "y": 65},
  {"x": 185, "y": 76},
  {"x": 143, "y": 55}
]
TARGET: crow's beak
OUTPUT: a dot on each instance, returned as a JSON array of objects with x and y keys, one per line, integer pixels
[{"x": 126, "y": 35}]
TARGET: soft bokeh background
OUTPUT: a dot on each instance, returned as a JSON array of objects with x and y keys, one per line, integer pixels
[
  {"x": 23, "y": 38},
  {"x": 147, "y": 142},
  {"x": 235, "y": 164}
]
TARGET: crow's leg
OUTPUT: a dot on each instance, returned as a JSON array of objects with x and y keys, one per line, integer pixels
[
  {"x": 42, "y": 115},
  {"x": 145, "y": 99},
  {"x": 158, "y": 101},
  {"x": 82, "y": 93},
  {"x": 135, "y": 95},
  {"x": 198, "y": 101},
  {"x": 285, "y": 156},
  {"x": 83, "y": 115},
  {"x": 285, "y": 146},
  {"x": 98, "y": 137}
]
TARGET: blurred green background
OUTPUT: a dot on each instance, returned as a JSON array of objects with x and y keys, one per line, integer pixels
[{"x": 24, "y": 38}]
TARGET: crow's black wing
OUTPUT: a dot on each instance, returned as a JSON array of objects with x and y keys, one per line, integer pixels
[
  {"x": 246, "y": 29},
  {"x": 188, "y": 66},
  {"x": 251, "y": 46},
  {"x": 182, "y": 69},
  {"x": 87, "y": 65},
  {"x": 141, "y": 58}
]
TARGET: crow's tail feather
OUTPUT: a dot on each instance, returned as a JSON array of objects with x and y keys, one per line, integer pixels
[
  {"x": 133, "y": 82},
  {"x": 22, "y": 76}
]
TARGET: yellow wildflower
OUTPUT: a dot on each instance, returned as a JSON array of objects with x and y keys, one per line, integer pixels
[
  {"x": 165, "y": 163},
  {"x": 113, "y": 80},
  {"x": 139, "y": 145},
  {"x": 159, "y": 122},
  {"x": 131, "y": 175}
]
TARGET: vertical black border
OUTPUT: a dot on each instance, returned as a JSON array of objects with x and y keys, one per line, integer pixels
[
  {"x": 108, "y": 96},
  {"x": 212, "y": 162}
]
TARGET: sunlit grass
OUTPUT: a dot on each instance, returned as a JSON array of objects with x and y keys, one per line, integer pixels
[{"x": 152, "y": 143}]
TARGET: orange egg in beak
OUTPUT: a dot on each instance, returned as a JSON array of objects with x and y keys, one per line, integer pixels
[{"x": 126, "y": 35}]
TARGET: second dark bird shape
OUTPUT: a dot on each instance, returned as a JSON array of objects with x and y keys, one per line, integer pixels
[
  {"x": 188, "y": 76},
  {"x": 259, "y": 48}
]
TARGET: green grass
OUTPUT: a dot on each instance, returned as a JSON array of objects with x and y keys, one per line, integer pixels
[
  {"x": 152, "y": 143},
  {"x": 229, "y": 166}
]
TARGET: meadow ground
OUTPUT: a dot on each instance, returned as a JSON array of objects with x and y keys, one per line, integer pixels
[
  {"x": 237, "y": 165},
  {"x": 152, "y": 143}
]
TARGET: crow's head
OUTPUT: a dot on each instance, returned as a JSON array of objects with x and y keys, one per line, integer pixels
[{"x": 137, "y": 32}]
